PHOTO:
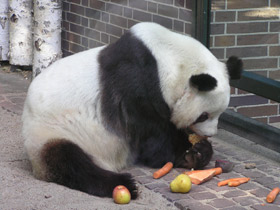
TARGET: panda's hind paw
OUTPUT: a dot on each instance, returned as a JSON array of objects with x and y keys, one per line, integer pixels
[{"x": 127, "y": 180}]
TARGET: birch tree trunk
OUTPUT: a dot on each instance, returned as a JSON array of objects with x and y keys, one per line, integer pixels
[
  {"x": 4, "y": 30},
  {"x": 21, "y": 32},
  {"x": 47, "y": 34}
]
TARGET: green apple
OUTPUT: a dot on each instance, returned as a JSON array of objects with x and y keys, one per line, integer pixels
[
  {"x": 181, "y": 184},
  {"x": 121, "y": 195}
]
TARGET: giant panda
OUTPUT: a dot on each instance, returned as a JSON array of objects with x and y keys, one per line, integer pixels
[{"x": 94, "y": 113}]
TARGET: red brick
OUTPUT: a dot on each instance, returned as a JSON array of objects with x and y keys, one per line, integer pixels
[
  {"x": 189, "y": 29},
  {"x": 224, "y": 41},
  {"x": 274, "y": 50},
  {"x": 218, "y": 5},
  {"x": 152, "y": 7},
  {"x": 261, "y": 119},
  {"x": 164, "y": 1},
  {"x": 247, "y": 27},
  {"x": 247, "y": 100},
  {"x": 113, "y": 8},
  {"x": 93, "y": 43},
  {"x": 73, "y": 38},
  {"x": 274, "y": 119},
  {"x": 189, "y": 4},
  {"x": 244, "y": 52},
  {"x": 166, "y": 22},
  {"x": 218, "y": 52},
  {"x": 114, "y": 30},
  {"x": 85, "y": 3},
  {"x": 92, "y": 13},
  {"x": 178, "y": 26},
  {"x": 217, "y": 29},
  {"x": 104, "y": 38},
  {"x": 65, "y": 6},
  {"x": 138, "y": 4},
  {"x": 77, "y": 9},
  {"x": 122, "y": 2},
  {"x": 141, "y": 16},
  {"x": 84, "y": 22},
  {"x": 274, "y": 75},
  {"x": 127, "y": 12},
  {"x": 257, "y": 39},
  {"x": 93, "y": 34},
  {"x": 74, "y": 18},
  {"x": 119, "y": 21},
  {"x": 274, "y": 26},
  {"x": 64, "y": 44},
  {"x": 260, "y": 63},
  {"x": 97, "y": 25},
  {"x": 255, "y": 111},
  {"x": 77, "y": 29},
  {"x": 264, "y": 14},
  {"x": 224, "y": 16},
  {"x": 185, "y": 15},
  {"x": 241, "y": 4},
  {"x": 75, "y": 48},
  {"x": 76, "y": 1},
  {"x": 95, "y": 4}
]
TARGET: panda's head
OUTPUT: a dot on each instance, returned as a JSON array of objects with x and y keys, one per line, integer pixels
[
  {"x": 193, "y": 82},
  {"x": 206, "y": 96}
]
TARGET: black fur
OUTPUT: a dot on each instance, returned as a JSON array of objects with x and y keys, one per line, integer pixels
[
  {"x": 234, "y": 66},
  {"x": 133, "y": 105},
  {"x": 203, "y": 82},
  {"x": 67, "y": 164}
]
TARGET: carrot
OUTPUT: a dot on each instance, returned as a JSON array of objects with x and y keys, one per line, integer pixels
[
  {"x": 272, "y": 195},
  {"x": 164, "y": 170},
  {"x": 217, "y": 171},
  {"x": 239, "y": 179}
]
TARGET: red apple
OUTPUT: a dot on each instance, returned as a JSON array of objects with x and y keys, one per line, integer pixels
[{"x": 121, "y": 195}]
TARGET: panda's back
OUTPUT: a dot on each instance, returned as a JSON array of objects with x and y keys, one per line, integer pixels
[{"x": 63, "y": 102}]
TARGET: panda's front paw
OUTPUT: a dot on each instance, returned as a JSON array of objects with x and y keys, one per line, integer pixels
[
  {"x": 202, "y": 153},
  {"x": 199, "y": 155}
]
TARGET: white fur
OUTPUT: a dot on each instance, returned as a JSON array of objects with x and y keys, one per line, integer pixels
[
  {"x": 64, "y": 100},
  {"x": 178, "y": 58}
]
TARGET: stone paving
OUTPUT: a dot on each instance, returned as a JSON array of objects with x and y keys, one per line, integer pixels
[{"x": 206, "y": 196}]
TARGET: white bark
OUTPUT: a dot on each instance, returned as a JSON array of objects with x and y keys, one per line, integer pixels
[
  {"x": 47, "y": 34},
  {"x": 4, "y": 30},
  {"x": 20, "y": 32}
]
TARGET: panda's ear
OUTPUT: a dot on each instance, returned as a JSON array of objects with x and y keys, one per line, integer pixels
[
  {"x": 234, "y": 66},
  {"x": 203, "y": 82}
]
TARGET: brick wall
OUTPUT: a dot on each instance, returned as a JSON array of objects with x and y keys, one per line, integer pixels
[
  {"x": 250, "y": 30},
  {"x": 92, "y": 23}
]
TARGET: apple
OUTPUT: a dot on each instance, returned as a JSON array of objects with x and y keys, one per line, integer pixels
[{"x": 121, "y": 195}]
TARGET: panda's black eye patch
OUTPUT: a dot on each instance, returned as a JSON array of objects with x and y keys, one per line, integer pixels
[{"x": 203, "y": 117}]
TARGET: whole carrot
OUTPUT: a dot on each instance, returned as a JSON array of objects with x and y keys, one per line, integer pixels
[
  {"x": 272, "y": 195},
  {"x": 164, "y": 170},
  {"x": 239, "y": 179}
]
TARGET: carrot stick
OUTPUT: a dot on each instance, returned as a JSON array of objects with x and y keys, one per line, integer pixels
[
  {"x": 272, "y": 195},
  {"x": 217, "y": 171},
  {"x": 164, "y": 170},
  {"x": 239, "y": 179}
]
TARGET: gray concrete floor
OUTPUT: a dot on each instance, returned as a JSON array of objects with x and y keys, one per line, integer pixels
[{"x": 20, "y": 190}]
